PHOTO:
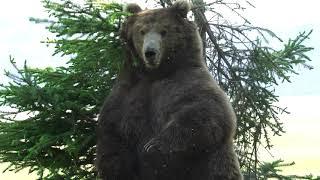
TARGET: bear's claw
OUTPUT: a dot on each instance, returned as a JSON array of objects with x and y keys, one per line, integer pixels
[{"x": 154, "y": 142}]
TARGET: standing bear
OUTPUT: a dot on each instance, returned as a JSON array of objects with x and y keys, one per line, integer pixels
[{"x": 165, "y": 118}]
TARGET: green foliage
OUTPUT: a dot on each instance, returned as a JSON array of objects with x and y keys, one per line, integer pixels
[
  {"x": 254, "y": 98},
  {"x": 48, "y": 116},
  {"x": 273, "y": 171},
  {"x": 59, "y": 107}
]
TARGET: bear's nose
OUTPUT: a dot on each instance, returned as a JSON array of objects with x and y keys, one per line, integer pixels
[{"x": 150, "y": 53}]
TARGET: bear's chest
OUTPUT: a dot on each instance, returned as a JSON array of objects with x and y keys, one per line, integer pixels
[
  {"x": 148, "y": 107},
  {"x": 135, "y": 121},
  {"x": 165, "y": 98}
]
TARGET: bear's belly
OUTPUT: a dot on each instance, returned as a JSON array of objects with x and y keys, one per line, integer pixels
[{"x": 156, "y": 166}]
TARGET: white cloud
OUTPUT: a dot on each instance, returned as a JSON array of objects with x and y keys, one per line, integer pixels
[
  {"x": 17, "y": 9},
  {"x": 282, "y": 13}
]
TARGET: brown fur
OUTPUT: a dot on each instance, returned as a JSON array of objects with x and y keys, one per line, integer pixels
[{"x": 168, "y": 123}]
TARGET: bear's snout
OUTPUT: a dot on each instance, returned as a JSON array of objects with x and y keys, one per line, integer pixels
[
  {"x": 151, "y": 49},
  {"x": 150, "y": 55}
]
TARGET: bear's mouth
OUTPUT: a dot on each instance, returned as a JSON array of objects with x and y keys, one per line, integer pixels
[{"x": 151, "y": 58}]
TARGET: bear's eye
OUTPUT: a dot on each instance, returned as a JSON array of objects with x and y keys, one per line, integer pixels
[{"x": 163, "y": 33}]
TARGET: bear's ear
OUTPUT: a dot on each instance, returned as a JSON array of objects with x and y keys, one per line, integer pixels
[
  {"x": 182, "y": 7},
  {"x": 132, "y": 8}
]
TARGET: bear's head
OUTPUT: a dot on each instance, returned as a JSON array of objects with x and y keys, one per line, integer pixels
[{"x": 162, "y": 38}]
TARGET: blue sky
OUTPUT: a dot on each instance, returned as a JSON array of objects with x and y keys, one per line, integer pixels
[{"x": 287, "y": 18}]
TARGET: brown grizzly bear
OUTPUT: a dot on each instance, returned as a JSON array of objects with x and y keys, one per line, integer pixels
[{"x": 166, "y": 118}]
